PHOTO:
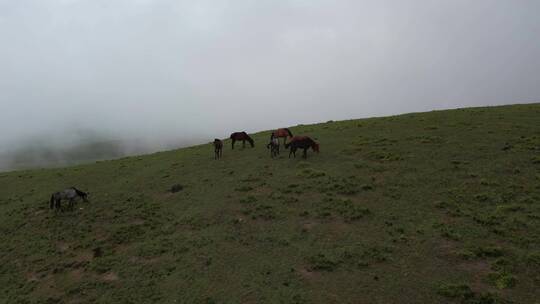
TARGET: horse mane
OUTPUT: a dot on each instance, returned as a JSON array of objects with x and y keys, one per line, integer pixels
[
  {"x": 289, "y": 131},
  {"x": 79, "y": 192}
]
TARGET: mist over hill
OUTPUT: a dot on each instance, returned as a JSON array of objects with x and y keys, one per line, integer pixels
[{"x": 41, "y": 152}]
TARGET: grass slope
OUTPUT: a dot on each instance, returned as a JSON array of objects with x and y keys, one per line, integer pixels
[{"x": 438, "y": 207}]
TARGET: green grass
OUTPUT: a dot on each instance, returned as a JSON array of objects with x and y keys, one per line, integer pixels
[{"x": 438, "y": 207}]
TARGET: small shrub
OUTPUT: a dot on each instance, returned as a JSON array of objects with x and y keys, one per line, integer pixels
[
  {"x": 176, "y": 188},
  {"x": 508, "y": 208},
  {"x": 323, "y": 262},
  {"x": 384, "y": 156},
  {"x": 502, "y": 280},
  {"x": 248, "y": 200},
  {"x": 455, "y": 291},
  {"x": 533, "y": 258},
  {"x": 466, "y": 254},
  {"x": 489, "y": 251},
  {"x": 311, "y": 173},
  {"x": 450, "y": 233},
  {"x": 376, "y": 254},
  {"x": 244, "y": 189}
]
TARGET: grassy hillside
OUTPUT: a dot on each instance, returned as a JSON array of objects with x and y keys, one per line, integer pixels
[{"x": 438, "y": 207}]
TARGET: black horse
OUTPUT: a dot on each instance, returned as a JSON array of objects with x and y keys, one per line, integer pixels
[
  {"x": 241, "y": 136},
  {"x": 301, "y": 142},
  {"x": 218, "y": 148},
  {"x": 70, "y": 194}
]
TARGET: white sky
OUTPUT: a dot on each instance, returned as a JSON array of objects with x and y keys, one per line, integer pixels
[{"x": 171, "y": 70}]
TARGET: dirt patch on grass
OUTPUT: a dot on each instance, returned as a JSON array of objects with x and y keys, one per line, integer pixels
[
  {"x": 446, "y": 249},
  {"x": 62, "y": 246},
  {"x": 263, "y": 190},
  {"x": 308, "y": 274},
  {"x": 75, "y": 275},
  {"x": 337, "y": 228},
  {"x": 478, "y": 269},
  {"x": 308, "y": 226},
  {"x": 136, "y": 222},
  {"x": 32, "y": 277},
  {"x": 48, "y": 288},
  {"x": 110, "y": 277},
  {"x": 145, "y": 261},
  {"x": 84, "y": 256}
]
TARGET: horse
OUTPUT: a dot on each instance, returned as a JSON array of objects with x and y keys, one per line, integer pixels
[
  {"x": 243, "y": 136},
  {"x": 302, "y": 142},
  {"x": 273, "y": 145},
  {"x": 218, "y": 148},
  {"x": 282, "y": 133},
  {"x": 70, "y": 194}
]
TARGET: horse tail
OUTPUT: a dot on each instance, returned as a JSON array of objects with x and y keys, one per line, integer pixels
[
  {"x": 52, "y": 202},
  {"x": 289, "y": 131}
]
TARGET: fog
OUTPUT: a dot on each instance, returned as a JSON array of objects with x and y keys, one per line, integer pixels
[{"x": 167, "y": 73}]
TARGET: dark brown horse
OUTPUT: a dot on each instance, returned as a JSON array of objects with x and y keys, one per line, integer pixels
[
  {"x": 218, "y": 148},
  {"x": 242, "y": 136},
  {"x": 301, "y": 142},
  {"x": 282, "y": 133}
]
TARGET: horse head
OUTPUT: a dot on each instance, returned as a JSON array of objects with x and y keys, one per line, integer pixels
[
  {"x": 315, "y": 147},
  {"x": 250, "y": 140}
]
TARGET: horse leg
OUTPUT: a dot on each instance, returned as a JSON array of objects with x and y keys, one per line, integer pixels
[
  {"x": 243, "y": 144},
  {"x": 293, "y": 152},
  {"x": 305, "y": 153},
  {"x": 233, "y": 144}
]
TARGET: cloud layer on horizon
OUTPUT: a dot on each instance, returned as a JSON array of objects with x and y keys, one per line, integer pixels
[{"x": 168, "y": 71}]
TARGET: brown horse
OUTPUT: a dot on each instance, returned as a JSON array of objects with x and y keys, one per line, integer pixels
[
  {"x": 301, "y": 142},
  {"x": 282, "y": 133},
  {"x": 241, "y": 136},
  {"x": 218, "y": 148}
]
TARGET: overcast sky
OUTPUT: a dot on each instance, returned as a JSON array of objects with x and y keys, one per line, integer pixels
[{"x": 170, "y": 69}]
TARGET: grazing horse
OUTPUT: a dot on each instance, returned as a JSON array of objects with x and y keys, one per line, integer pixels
[
  {"x": 218, "y": 148},
  {"x": 282, "y": 133},
  {"x": 273, "y": 145},
  {"x": 70, "y": 194},
  {"x": 243, "y": 136},
  {"x": 302, "y": 142}
]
